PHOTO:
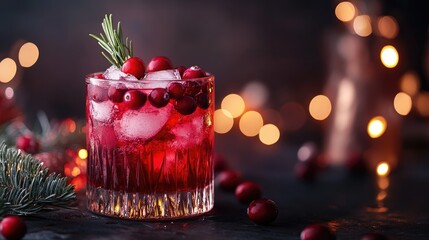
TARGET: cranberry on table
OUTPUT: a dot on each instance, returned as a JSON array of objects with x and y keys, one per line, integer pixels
[
  {"x": 248, "y": 191},
  {"x": 13, "y": 228},
  {"x": 159, "y": 97},
  {"x": 116, "y": 94},
  {"x": 176, "y": 90},
  {"x": 203, "y": 100},
  {"x": 185, "y": 105},
  {"x": 317, "y": 232},
  {"x": 28, "y": 144},
  {"x": 228, "y": 180},
  {"x": 134, "y": 99},
  {"x": 181, "y": 70},
  {"x": 374, "y": 236},
  {"x": 134, "y": 66},
  {"x": 219, "y": 163},
  {"x": 159, "y": 63},
  {"x": 193, "y": 72},
  {"x": 262, "y": 211}
]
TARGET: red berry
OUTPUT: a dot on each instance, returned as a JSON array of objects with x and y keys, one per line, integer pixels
[
  {"x": 374, "y": 236},
  {"x": 97, "y": 93},
  {"x": 228, "y": 180},
  {"x": 203, "y": 100},
  {"x": 13, "y": 227},
  {"x": 248, "y": 191},
  {"x": 116, "y": 94},
  {"x": 219, "y": 163},
  {"x": 262, "y": 211},
  {"x": 134, "y": 66},
  {"x": 28, "y": 144},
  {"x": 159, "y": 63},
  {"x": 207, "y": 87},
  {"x": 317, "y": 232},
  {"x": 192, "y": 87},
  {"x": 159, "y": 97},
  {"x": 98, "y": 76},
  {"x": 181, "y": 70},
  {"x": 176, "y": 90},
  {"x": 193, "y": 72},
  {"x": 134, "y": 99},
  {"x": 185, "y": 105}
]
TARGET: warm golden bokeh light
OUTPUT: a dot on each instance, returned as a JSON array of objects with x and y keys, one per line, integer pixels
[
  {"x": 389, "y": 56},
  {"x": 320, "y": 107},
  {"x": 402, "y": 103},
  {"x": 83, "y": 153},
  {"x": 250, "y": 123},
  {"x": 422, "y": 104},
  {"x": 28, "y": 54},
  {"x": 383, "y": 169},
  {"x": 383, "y": 183},
  {"x": 223, "y": 121},
  {"x": 7, "y": 70},
  {"x": 410, "y": 83},
  {"x": 75, "y": 171},
  {"x": 269, "y": 134},
  {"x": 345, "y": 11},
  {"x": 9, "y": 93},
  {"x": 388, "y": 27},
  {"x": 362, "y": 25},
  {"x": 234, "y": 104},
  {"x": 377, "y": 126}
]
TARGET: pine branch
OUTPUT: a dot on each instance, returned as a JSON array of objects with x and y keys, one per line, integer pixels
[
  {"x": 113, "y": 42},
  {"x": 26, "y": 187}
]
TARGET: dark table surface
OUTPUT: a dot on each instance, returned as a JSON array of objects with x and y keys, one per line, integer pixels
[{"x": 346, "y": 203}]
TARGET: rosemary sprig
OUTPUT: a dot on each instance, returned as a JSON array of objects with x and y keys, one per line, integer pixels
[{"x": 113, "y": 42}]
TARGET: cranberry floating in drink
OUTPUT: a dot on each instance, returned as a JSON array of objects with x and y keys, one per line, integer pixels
[{"x": 150, "y": 136}]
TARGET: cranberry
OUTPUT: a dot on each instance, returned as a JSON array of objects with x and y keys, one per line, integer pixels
[
  {"x": 248, "y": 191},
  {"x": 228, "y": 180},
  {"x": 13, "y": 227},
  {"x": 176, "y": 90},
  {"x": 134, "y": 66},
  {"x": 193, "y": 72},
  {"x": 185, "y": 105},
  {"x": 219, "y": 163},
  {"x": 262, "y": 211},
  {"x": 98, "y": 76},
  {"x": 181, "y": 70},
  {"x": 134, "y": 99},
  {"x": 97, "y": 93},
  {"x": 203, "y": 100},
  {"x": 305, "y": 171},
  {"x": 207, "y": 87},
  {"x": 159, "y": 63},
  {"x": 374, "y": 236},
  {"x": 116, "y": 94},
  {"x": 317, "y": 232},
  {"x": 28, "y": 144},
  {"x": 192, "y": 87},
  {"x": 159, "y": 97}
]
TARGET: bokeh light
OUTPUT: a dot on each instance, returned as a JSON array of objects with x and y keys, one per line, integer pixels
[
  {"x": 362, "y": 25},
  {"x": 402, "y": 103},
  {"x": 410, "y": 83},
  {"x": 28, "y": 54},
  {"x": 250, "y": 123},
  {"x": 377, "y": 126},
  {"x": 389, "y": 56},
  {"x": 345, "y": 11},
  {"x": 269, "y": 134},
  {"x": 234, "y": 104},
  {"x": 82, "y": 153},
  {"x": 383, "y": 169},
  {"x": 422, "y": 104},
  {"x": 223, "y": 121},
  {"x": 7, "y": 70},
  {"x": 9, "y": 93},
  {"x": 388, "y": 27},
  {"x": 255, "y": 94},
  {"x": 320, "y": 107}
]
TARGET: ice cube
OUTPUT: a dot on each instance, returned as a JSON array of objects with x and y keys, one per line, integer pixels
[
  {"x": 155, "y": 77},
  {"x": 102, "y": 111},
  {"x": 144, "y": 123},
  {"x": 114, "y": 73},
  {"x": 189, "y": 133}
]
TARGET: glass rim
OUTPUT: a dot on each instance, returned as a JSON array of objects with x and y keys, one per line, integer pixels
[{"x": 90, "y": 78}]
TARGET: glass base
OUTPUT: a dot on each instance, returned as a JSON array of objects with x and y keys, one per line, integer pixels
[{"x": 157, "y": 206}]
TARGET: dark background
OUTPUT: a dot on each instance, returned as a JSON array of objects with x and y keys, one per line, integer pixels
[{"x": 280, "y": 43}]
